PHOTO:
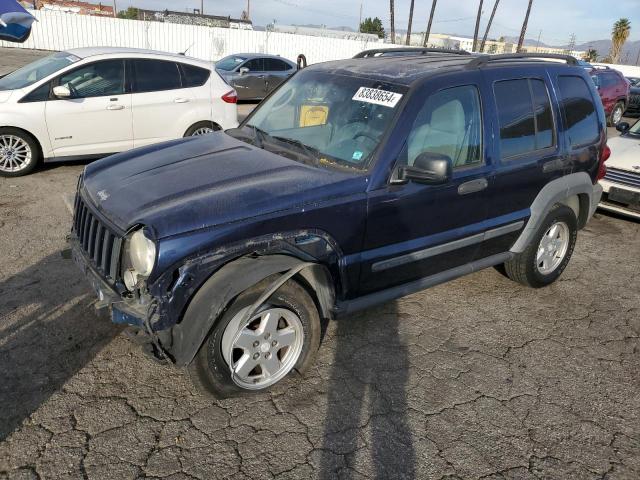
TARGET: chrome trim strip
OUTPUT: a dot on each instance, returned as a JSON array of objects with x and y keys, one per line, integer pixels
[{"x": 446, "y": 247}]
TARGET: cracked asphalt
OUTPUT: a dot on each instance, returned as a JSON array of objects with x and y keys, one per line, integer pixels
[{"x": 476, "y": 378}]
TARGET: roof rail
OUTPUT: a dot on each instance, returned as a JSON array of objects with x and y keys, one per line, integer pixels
[
  {"x": 379, "y": 52},
  {"x": 485, "y": 59}
]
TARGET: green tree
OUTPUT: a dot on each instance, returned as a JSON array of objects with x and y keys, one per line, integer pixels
[
  {"x": 372, "y": 25},
  {"x": 591, "y": 55},
  {"x": 619, "y": 35},
  {"x": 130, "y": 13}
]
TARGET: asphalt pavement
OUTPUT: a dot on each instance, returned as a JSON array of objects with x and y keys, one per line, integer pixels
[{"x": 476, "y": 378}]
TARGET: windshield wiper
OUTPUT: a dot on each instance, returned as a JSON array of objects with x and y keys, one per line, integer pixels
[{"x": 312, "y": 153}]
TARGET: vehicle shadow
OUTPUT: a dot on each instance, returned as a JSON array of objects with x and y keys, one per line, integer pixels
[
  {"x": 367, "y": 403},
  {"x": 48, "y": 331}
]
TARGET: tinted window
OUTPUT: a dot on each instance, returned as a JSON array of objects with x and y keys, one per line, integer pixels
[
  {"x": 578, "y": 110},
  {"x": 40, "y": 94},
  {"x": 525, "y": 116},
  {"x": 450, "y": 123},
  {"x": 255, "y": 65},
  {"x": 95, "y": 80},
  {"x": 155, "y": 76},
  {"x": 194, "y": 76},
  {"x": 275, "y": 65},
  {"x": 611, "y": 79}
]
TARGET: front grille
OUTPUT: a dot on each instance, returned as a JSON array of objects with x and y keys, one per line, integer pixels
[
  {"x": 100, "y": 244},
  {"x": 623, "y": 177}
]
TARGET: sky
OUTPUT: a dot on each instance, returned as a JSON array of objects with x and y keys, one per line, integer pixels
[{"x": 556, "y": 19}]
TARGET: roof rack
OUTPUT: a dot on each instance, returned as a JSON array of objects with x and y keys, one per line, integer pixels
[
  {"x": 485, "y": 59},
  {"x": 379, "y": 52}
]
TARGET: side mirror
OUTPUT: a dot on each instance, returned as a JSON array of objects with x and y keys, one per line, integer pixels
[
  {"x": 243, "y": 70},
  {"x": 622, "y": 127},
  {"x": 62, "y": 92},
  {"x": 428, "y": 168}
]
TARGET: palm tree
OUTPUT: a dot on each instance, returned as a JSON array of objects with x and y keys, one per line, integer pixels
[
  {"x": 486, "y": 32},
  {"x": 591, "y": 55},
  {"x": 619, "y": 35},
  {"x": 426, "y": 35},
  {"x": 393, "y": 23},
  {"x": 524, "y": 27},
  {"x": 408, "y": 42}
]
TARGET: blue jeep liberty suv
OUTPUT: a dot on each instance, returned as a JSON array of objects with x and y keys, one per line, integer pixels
[{"x": 354, "y": 183}]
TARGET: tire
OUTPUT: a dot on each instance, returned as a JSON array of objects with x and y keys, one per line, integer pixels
[
  {"x": 19, "y": 152},
  {"x": 616, "y": 113},
  {"x": 210, "y": 371},
  {"x": 526, "y": 267},
  {"x": 201, "y": 128}
]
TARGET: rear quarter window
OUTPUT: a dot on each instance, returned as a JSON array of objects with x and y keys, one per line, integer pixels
[
  {"x": 579, "y": 111},
  {"x": 194, "y": 76}
]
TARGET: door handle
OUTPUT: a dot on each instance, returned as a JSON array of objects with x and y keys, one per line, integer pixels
[
  {"x": 115, "y": 107},
  {"x": 473, "y": 186},
  {"x": 181, "y": 100}
]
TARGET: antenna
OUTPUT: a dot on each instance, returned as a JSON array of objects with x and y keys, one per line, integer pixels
[{"x": 185, "y": 52}]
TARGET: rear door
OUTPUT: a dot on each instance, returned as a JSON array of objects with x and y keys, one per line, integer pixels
[
  {"x": 526, "y": 148},
  {"x": 97, "y": 119},
  {"x": 161, "y": 104},
  {"x": 277, "y": 71}
]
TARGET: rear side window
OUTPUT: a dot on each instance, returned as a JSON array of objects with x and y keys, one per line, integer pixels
[
  {"x": 525, "y": 116},
  {"x": 579, "y": 111},
  {"x": 155, "y": 76},
  {"x": 194, "y": 76}
]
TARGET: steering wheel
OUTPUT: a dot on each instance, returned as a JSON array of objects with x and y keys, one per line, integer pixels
[{"x": 365, "y": 135}]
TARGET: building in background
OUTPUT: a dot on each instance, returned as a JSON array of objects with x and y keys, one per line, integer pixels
[
  {"x": 196, "y": 18},
  {"x": 72, "y": 6}
]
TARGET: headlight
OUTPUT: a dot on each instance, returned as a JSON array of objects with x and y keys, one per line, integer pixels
[{"x": 142, "y": 253}]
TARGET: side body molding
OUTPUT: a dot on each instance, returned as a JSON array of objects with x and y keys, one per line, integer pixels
[
  {"x": 559, "y": 191},
  {"x": 228, "y": 282}
]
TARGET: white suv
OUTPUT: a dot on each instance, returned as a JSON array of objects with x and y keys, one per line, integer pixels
[{"x": 92, "y": 102}]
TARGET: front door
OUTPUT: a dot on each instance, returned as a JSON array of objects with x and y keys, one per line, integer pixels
[
  {"x": 97, "y": 118},
  {"x": 416, "y": 230},
  {"x": 252, "y": 83}
]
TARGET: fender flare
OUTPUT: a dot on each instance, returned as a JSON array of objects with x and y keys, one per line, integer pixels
[
  {"x": 558, "y": 191},
  {"x": 228, "y": 282}
]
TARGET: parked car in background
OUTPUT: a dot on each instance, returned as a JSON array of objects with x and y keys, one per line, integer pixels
[
  {"x": 621, "y": 184},
  {"x": 633, "y": 107},
  {"x": 357, "y": 182},
  {"x": 92, "y": 102},
  {"x": 613, "y": 88},
  {"x": 254, "y": 76}
]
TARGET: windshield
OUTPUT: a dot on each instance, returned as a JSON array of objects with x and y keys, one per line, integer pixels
[
  {"x": 634, "y": 81},
  {"x": 36, "y": 71},
  {"x": 229, "y": 63},
  {"x": 335, "y": 120},
  {"x": 636, "y": 128}
]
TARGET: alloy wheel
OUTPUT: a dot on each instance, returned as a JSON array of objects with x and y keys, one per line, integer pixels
[
  {"x": 552, "y": 248},
  {"x": 15, "y": 153},
  {"x": 264, "y": 349},
  {"x": 202, "y": 131},
  {"x": 617, "y": 115}
]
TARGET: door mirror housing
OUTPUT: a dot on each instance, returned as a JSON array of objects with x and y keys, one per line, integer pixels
[
  {"x": 428, "y": 168},
  {"x": 623, "y": 127},
  {"x": 243, "y": 71},
  {"x": 62, "y": 92}
]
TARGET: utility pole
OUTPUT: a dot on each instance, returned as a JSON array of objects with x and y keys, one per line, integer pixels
[
  {"x": 426, "y": 35},
  {"x": 408, "y": 42},
  {"x": 538, "y": 42},
  {"x": 115, "y": 8},
  {"x": 486, "y": 32},
  {"x": 249, "y": 9},
  {"x": 524, "y": 27},
  {"x": 393, "y": 22},
  {"x": 360, "y": 23},
  {"x": 475, "y": 33},
  {"x": 572, "y": 44},
  {"x": 201, "y": 7}
]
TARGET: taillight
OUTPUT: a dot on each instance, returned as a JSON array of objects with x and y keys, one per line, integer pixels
[
  {"x": 604, "y": 156},
  {"x": 230, "y": 97}
]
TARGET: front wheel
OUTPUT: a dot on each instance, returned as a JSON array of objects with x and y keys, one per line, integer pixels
[
  {"x": 549, "y": 252},
  {"x": 19, "y": 153},
  {"x": 249, "y": 355},
  {"x": 616, "y": 114}
]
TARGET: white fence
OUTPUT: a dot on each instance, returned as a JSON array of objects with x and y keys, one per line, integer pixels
[{"x": 62, "y": 31}]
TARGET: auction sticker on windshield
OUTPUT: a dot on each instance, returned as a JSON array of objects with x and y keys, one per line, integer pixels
[{"x": 377, "y": 97}]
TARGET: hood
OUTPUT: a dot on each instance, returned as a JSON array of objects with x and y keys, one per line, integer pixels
[
  {"x": 200, "y": 182},
  {"x": 625, "y": 153}
]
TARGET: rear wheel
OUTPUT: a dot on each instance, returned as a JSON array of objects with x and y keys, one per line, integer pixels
[
  {"x": 201, "y": 128},
  {"x": 250, "y": 355},
  {"x": 548, "y": 254},
  {"x": 616, "y": 114},
  {"x": 19, "y": 152}
]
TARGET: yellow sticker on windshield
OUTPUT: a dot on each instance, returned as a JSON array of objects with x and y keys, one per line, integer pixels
[
  {"x": 313, "y": 115},
  {"x": 377, "y": 97}
]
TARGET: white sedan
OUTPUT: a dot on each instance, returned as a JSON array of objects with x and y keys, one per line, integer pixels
[
  {"x": 92, "y": 102},
  {"x": 621, "y": 184}
]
